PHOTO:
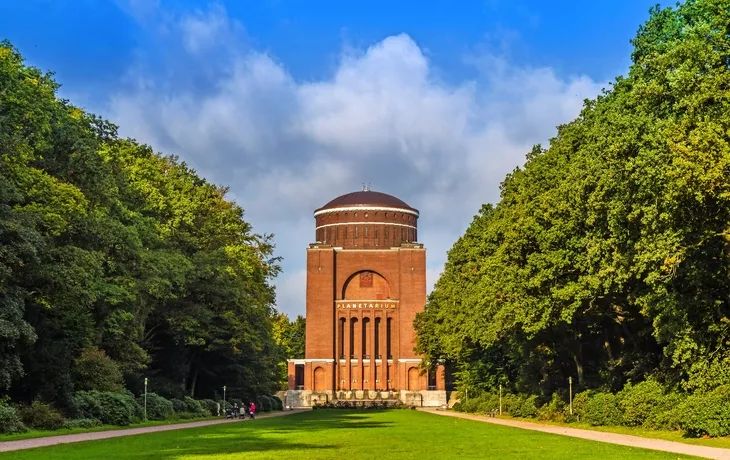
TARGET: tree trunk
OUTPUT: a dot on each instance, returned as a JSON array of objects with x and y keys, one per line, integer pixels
[
  {"x": 193, "y": 381},
  {"x": 579, "y": 371}
]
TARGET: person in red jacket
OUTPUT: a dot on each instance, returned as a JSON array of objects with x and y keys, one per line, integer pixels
[{"x": 252, "y": 409}]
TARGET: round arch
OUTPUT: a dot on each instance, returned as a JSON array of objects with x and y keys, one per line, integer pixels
[
  {"x": 366, "y": 285},
  {"x": 413, "y": 374},
  {"x": 319, "y": 379}
]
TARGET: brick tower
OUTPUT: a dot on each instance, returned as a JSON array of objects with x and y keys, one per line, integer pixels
[{"x": 366, "y": 280}]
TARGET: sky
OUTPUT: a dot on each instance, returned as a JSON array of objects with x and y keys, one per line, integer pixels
[{"x": 291, "y": 103}]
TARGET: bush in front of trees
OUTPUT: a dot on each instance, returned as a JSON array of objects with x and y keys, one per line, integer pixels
[
  {"x": 40, "y": 416},
  {"x": 10, "y": 420},
  {"x": 111, "y": 408},
  {"x": 158, "y": 408}
]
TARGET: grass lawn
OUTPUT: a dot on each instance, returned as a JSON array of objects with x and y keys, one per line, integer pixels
[
  {"x": 327, "y": 434},
  {"x": 676, "y": 436},
  {"x": 45, "y": 433}
]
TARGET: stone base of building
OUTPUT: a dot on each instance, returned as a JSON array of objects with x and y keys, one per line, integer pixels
[{"x": 422, "y": 398}]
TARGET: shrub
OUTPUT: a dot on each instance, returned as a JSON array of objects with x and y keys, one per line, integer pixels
[
  {"x": 40, "y": 416},
  {"x": 669, "y": 419},
  {"x": 94, "y": 370},
  {"x": 580, "y": 402},
  {"x": 706, "y": 413},
  {"x": 265, "y": 403},
  {"x": 525, "y": 407},
  {"x": 111, "y": 408},
  {"x": 210, "y": 406},
  {"x": 193, "y": 406},
  {"x": 276, "y": 403},
  {"x": 602, "y": 409},
  {"x": 158, "y": 408},
  {"x": 470, "y": 405},
  {"x": 488, "y": 402},
  {"x": 9, "y": 420},
  {"x": 179, "y": 405},
  {"x": 81, "y": 423},
  {"x": 639, "y": 403},
  {"x": 553, "y": 411}
]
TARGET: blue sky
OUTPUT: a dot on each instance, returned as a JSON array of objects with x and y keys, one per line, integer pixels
[{"x": 294, "y": 102}]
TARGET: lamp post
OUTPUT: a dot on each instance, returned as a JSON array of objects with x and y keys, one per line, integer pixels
[
  {"x": 570, "y": 392},
  {"x": 224, "y": 400},
  {"x": 145, "y": 399},
  {"x": 500, "y": 399}
]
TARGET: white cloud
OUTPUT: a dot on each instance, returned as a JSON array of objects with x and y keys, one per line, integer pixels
[
  {"x": 287, "y": 147},
  {"x": 203, "y": 29}
]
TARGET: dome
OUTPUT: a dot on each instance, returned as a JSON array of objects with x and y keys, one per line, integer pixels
[{"x": 366, "y": 199}]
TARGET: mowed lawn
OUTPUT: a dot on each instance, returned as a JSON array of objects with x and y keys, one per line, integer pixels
[{"x": 328, "y": 434}]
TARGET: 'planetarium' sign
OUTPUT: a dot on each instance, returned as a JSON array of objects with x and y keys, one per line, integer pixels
[{"x": 366, "y": 305}]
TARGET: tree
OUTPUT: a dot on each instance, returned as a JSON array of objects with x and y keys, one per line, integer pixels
[
  {"x": 606, "y": 258},
  {"x": 106, "y": 245}
]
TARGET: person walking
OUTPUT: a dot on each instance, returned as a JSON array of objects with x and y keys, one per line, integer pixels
[{"x": 252, "y": 409}]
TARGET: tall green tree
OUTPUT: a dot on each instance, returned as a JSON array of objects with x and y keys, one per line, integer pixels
[
  {"x": 606, "y": 257},
  {"x": 106, "y": 245}
]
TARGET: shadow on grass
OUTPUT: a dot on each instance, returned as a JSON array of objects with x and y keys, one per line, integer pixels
[
  {"x": 282, "y": 437},
  {"x": 266, "y": 435}
]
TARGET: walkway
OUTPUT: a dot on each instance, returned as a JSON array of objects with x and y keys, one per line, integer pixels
[
  {"x": 715, "y": 453},
  {"x": 8, "y": 446}
]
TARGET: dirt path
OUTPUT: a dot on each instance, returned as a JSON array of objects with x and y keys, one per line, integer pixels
[
  {"x": 613, "y": 438},
  {"x": 8, "y": 446}
]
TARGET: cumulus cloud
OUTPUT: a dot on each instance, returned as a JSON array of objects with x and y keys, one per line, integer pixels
[{"x": 287, "y": 147}]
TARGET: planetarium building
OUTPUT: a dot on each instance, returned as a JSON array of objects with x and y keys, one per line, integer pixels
[{"x": 366, "y": 281}]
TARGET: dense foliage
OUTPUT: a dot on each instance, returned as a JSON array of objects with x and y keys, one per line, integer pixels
[
  {"x": 289, "y": 336},
  {"x": 118, "y": 263},
  {"x": 607, "y": 257}
]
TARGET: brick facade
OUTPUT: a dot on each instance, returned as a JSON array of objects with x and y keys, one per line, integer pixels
[{"x": 366, "y": 281}]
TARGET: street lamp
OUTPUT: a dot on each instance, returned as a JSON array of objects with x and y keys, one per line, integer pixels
[
  {"x": 570, "y": 392},
  {"x": 500, "y": 399},
  {"x": 145, "y": 399},
  {"x": 224, "y": 400}
]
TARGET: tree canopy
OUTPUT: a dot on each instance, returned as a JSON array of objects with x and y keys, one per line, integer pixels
[
  {"x": 118, "y": 260},
  {"x": 607, "y": 257}
]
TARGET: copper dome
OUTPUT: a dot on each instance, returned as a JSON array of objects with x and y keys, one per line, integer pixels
[{"x": 366, "y": 198}]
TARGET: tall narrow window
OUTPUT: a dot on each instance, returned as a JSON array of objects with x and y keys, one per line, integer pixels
[
  {"x": 342, "y": 338},
  {"x": 366, "y": 231},
  {"x": 388, "y": 336},
  {"x": 299, "y": 376},
  {"x": 355, "y": 231},
  {"x": 353, "y": 329},
  {"x": 432, "y": 379},
  {"x": 377, "y": 338},
  {"x": 365, "y": 334}
]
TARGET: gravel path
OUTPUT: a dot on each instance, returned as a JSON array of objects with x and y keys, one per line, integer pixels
[
  {"x": 613, "y": 438},
  {"x": 8, "y": 446}
]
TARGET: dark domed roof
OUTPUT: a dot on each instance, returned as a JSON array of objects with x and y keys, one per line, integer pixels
[{"x": 366, "y": 198}]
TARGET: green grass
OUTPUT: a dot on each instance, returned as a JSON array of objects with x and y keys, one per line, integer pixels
[
  {"x": 676, "y": 436},
  {"x": 45, "y": 433},
  {"x": 327, "y": 434}
]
